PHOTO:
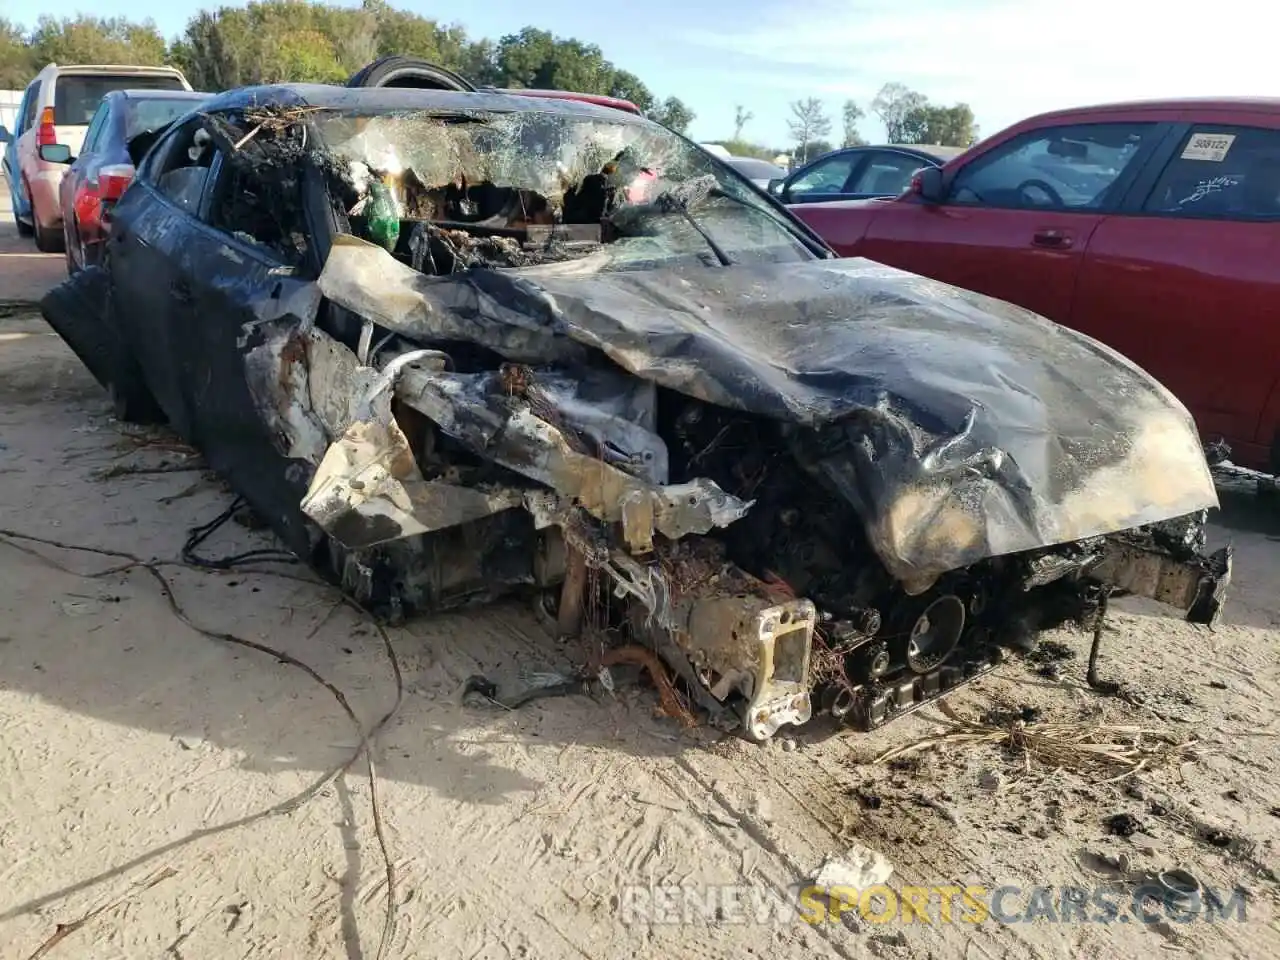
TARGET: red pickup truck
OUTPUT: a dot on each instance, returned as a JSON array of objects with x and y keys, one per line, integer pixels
[{"x": 1153, "y": 227}]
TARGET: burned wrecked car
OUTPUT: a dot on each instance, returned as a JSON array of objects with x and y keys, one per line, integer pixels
[{"x": 455, "y": 345}]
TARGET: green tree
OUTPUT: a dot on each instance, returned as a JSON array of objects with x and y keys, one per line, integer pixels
[
  {"x": 741, "y": 117},
  {"x": 270, "y": 41},
  {"x": 535, "y": 58},
  {"x": 810, "y": 123},
  {"x": 16, "y": 62},
  {"x": 629, "y": 87},
  {"x": 673, "y": 113},
  {"x": 814, "y": 148},
  {"x": 949, "y": 126},
  {"x": 909, "y": 117},
  {"x": 852, "y": 114},
  {"x": 895, "y": 105},
  {"x": 85, "y": 39}
]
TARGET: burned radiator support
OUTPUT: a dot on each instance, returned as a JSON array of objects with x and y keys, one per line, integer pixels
[
  {"x": 1196, "y": 584},
  {"x": 753, "y": 647}
]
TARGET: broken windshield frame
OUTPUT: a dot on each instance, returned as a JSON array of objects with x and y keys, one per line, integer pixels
[{"x": 572, "y": 169}]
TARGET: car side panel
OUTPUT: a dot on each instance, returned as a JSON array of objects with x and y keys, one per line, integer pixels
[
  {"x": 1193, "y": 301},
  {"x": 235, "y": 288},
  {"x": 25, "y": 156},
  {"x": 987, "y": 250},
  {"x": 843, "y": 225},
  {"x": 145, "y": 246},
  {"x": 43, "y": 179},
  {"x": 12, "y": 167},
  {"x": 1266, "y": 447}
]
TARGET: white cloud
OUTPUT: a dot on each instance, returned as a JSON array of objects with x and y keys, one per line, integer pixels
[{"x": 1012, "y": 58}]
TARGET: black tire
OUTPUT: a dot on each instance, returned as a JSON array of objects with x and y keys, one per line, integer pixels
[
  {"x": 48, "y": 239},
  {"x": 79, "y": 310},
  {"x": 133, "y": 403},
  {"x": 398, "y": 71},
  {"x": 72, "y": 267},
  {"x": 24, "y": 229}
]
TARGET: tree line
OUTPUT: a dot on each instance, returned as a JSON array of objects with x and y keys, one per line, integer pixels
[
  {"x": 907, "y": 116},
  {"x": 272, "y": 41}
]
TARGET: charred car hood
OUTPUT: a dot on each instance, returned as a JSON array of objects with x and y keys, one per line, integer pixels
[{"x": 959, "y": 426}]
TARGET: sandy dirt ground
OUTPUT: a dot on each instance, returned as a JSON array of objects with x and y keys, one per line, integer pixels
[
  {"x": 178, "y": 790},
  {"x": 25, "y": 272}
]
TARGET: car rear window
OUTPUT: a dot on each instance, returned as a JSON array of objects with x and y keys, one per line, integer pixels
[
  {"x": 142, "y": 116},
  {"x": 76, "y": 98}
]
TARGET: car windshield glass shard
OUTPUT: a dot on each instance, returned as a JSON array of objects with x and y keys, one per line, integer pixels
[{"x": 516, "y": 189}]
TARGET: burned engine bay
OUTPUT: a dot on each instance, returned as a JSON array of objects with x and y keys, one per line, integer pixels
[{"x": 570, "y": 355}]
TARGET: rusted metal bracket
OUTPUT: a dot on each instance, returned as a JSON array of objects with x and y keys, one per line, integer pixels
[{"x": 572, "y": 593}]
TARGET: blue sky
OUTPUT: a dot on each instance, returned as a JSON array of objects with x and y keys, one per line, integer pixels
[{"x": 1006, "y": 58}]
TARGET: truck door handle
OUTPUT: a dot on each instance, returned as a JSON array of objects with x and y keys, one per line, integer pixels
[
  {"x": 1051, "y": 238},
  {"x": 180, "y": 290}
]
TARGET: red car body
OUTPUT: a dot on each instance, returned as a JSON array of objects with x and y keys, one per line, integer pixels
[
  {"x": 1158, "y": 235},
  {"x": 599, "y": 99}
]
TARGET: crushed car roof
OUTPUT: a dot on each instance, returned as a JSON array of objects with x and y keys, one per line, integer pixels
[{"x": 410, "y": 99}]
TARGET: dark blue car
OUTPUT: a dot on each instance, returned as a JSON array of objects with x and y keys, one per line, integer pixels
[{"x": 860, "y": 173}]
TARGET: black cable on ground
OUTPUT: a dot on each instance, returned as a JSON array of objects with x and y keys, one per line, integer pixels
[{"x": 197, "y": 535}]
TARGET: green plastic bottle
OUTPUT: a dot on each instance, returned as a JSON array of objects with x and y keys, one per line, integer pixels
[{"x": 384, "y": 218}]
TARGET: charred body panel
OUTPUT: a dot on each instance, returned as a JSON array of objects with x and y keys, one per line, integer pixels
[
  {"x": 811, "y": 486},
  {"x": 959, "y": 426}
]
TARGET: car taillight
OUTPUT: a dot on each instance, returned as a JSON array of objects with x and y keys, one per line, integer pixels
[
  {"x": 88, "y": 207},
  {"x": 113, "y": 180},
  {"x": 46, "y": 136}
]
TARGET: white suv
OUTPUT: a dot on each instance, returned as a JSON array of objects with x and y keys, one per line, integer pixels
[{"x": 55, "y": 113}]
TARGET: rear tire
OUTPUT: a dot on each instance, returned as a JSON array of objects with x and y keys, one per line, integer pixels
[
  {"x": 67, "y": 246},
  {"x": 79, "y": 310},
  {"x": 132, "y": 402},
  {"x": 24, "y": 229},
  {"x": 48, "y": 240},
  {"x": 398, "y": 71}
]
